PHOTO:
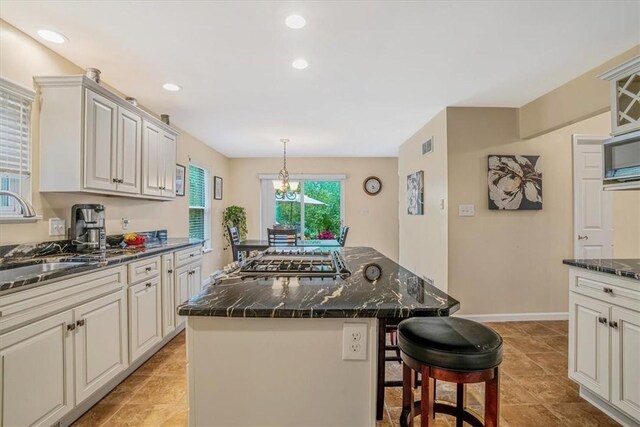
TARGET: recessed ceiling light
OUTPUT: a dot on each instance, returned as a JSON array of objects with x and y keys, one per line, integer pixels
[
  {"x": 171, "y": 87},
  {"x": 295, "y": 21},
  {"x": 52, "y": 36},
  {"x": 299, "y": 64}
]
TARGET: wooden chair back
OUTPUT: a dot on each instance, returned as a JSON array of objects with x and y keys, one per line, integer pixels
[
  {"x": 342, "y": 239},
  {"x": 281, "y": 237},
  {"x": 234, "y": 241}
]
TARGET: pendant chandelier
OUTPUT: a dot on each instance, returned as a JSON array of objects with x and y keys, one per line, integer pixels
[{"x": 285, "y": 188}]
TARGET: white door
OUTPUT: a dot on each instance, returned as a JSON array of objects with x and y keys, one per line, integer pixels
[
  {"x": 145, "y": 317},
  {"x": 168, "y": 295},
  {"x": 625, "y": 366},
  {"x": 182, "y": 289},
  {"x": 169, "y": 148},
  {"x": 100, "y": 342},
  {"x": 589, "y": 343},
  {"x": 593, "y": 212},
  {"x": 195, "y": 279},
  {"x": 37, "y": 372},
  {"x": 152, "y": 158},
  {"x": 128, "y": 160},
  {"x": 101, "y": 122}
]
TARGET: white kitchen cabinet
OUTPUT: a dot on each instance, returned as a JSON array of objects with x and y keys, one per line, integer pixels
[
  {"x": 168, "y": 295},
  {"x": 188, "y": 284},
  {"x": 128, "y": 152},
  {"x": 195, "y": 282},
  {"x": 625, "y": 367},
  {"x": 604, "y": 340},
  {"x": 589, "y": 352},
  {"x": 104, "y": 142},
  {"x": 159, "y": 161},
  {"x": 100, "y": 141},
  {"x": 624, "y": 81},
  {"x": 37, "y": 372},
  {"x": 145, "y": 317},
  {"x": 101, "y": 342}
]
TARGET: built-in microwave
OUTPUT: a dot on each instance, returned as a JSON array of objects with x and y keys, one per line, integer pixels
[{"x": 621, "y": 161}]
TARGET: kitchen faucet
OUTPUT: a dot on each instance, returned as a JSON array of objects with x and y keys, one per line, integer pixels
[{"x": 27, "y": 209}]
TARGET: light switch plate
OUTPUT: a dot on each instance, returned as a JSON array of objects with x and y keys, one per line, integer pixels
[
  {"x": 57, "y": 227},
  {"x": 466, "y": 210},
  {"x": 354, "y": 341}
]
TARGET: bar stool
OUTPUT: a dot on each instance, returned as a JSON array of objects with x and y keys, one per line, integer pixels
[{"x": 454, "y": 350}]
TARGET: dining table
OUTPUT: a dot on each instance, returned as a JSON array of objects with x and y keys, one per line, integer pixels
[{"x": 263, "y": 244}]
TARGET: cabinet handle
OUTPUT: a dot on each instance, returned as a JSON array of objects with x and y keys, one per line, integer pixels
[
  {"x": 613, "y": 324},
  {"x": 583, "y": 237},
  {"x": 80, "y": 322},
  {"x": 148, "y": 269},
  {"x": 602, "y": 320},
  {"x": 114, "y": 180},
  {"x": 71, "y": 327},
  {"x": 169, "y": 271},
  {"x": 148, "y": 284},
  {"x": 608, "y": 291},
  {"x": 192, "y": 255}
]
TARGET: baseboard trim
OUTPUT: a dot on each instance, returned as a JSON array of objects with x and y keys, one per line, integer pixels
[{"x": 514, "y": 317}]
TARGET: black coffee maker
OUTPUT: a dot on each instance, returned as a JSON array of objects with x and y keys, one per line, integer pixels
[{"x": 88, "y": 230}]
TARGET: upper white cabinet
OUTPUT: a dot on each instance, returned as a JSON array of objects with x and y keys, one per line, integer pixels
[
  {"x": 625, "y": 96},
  {"x": 94, "y": 141}
]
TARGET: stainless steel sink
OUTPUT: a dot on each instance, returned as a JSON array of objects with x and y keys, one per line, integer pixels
[{"x": 13, "y": 274}]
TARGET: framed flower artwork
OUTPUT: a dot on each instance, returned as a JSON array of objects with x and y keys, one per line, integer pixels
[{"x": 515, "y": 182}]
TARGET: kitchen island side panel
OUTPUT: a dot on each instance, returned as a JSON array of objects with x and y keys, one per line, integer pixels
[{"x": 273, "y": 371}]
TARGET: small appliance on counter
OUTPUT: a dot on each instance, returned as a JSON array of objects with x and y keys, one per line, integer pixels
[{"x": 88, "y": 230}]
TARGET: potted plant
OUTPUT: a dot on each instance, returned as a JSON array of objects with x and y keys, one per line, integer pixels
[{"x": 235, "y": 216}]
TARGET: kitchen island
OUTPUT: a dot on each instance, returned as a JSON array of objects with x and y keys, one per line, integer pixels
[{"x": 269, "y": 347}]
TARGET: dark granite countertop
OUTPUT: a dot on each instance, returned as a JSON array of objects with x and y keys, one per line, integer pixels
[
  {"x": 629, "y": 268},
  {"x": 397, "y": 293},
  {"x": 47, "y": 252}
]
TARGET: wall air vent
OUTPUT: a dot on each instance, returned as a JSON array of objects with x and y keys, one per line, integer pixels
[{"x": 427, "y": 146}]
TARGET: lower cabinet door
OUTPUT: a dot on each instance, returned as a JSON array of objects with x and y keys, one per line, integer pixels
[
  {"x": 37, "y": 372},
  {"x": 145, "y": 317},
  {"x": 100, "y": 342},
  {"x": 168, "y": 295},
  {"x": 589, "y": 343},
  {"x": 182, "y": 279},
  {"x": 625, "y": 366},
  {"x": 195, "y": 281}
]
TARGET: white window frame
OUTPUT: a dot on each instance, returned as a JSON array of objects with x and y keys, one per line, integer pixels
[
  {"x": 208, "y": 178},
  {"x": 267, "y": 201},
  {"x": 13, "y": 211}
]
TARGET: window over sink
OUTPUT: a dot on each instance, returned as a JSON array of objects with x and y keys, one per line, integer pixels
[
  {"x": 200, "y": 204},
  {"x": 15, "y": 145}
]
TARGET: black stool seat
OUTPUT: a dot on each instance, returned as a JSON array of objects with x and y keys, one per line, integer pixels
[{"x": 450, "y": 343}]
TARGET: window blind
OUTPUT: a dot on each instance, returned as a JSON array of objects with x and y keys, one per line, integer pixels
[{"x": 198, "y": 203}]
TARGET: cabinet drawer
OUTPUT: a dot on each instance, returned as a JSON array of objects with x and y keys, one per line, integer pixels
[
  {"x": 144, "y": 269},
  {"x": 605, "y": 287},
  {"x": 188, "y": 255}
]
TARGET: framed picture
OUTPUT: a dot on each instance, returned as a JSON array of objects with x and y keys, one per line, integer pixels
[
  {"x": 181, "y": 173},
  {"x": 515, "y": 183},
  {"x": 415, "y": 193},
  {"x": 217, "y": 188}
]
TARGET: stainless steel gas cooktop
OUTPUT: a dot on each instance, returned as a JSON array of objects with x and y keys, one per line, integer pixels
[{"x": 296, "y": 262}]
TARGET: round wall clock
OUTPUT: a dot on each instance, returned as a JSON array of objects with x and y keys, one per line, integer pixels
[
  {"x": 372, "y": 185},
  {"x": 372, "y": 272}
]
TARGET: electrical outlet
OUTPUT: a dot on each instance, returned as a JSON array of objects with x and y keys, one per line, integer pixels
[
  {"x": 57, "y": 227},
  {"x": 125, "y": 223},
  {"x": 354, "y": 341},
  {"x": 466, "y": 210}
]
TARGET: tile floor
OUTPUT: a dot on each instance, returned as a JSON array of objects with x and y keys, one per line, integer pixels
[{"x": 535, "y": 390}]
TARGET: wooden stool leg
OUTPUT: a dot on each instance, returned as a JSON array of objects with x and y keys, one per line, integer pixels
[
  {"x": 407, "y": 415},
  {"x": 460, "y": 405},
  {"x": 492, "y": 400},
  {"x": 427, "y": 399}
]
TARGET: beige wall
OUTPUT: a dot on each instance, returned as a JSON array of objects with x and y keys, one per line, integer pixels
[
  {"x": 377, "y": 229},
  {"x": 22, "y": 58},
  {"x": 423, "y": 238},
  {"x": 583, "y": 97},
  {"x": 510, "y": 262}
]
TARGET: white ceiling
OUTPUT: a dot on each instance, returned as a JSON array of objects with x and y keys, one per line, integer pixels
[{"x": 378, "y": 70}]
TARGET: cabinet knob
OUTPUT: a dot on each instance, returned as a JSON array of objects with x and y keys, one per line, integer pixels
[
  {"x": 148, "y": 284},
  {"x": 602, "y": 320},
  {"x": 80, "y": 322},
  {"x": 147, "y": 269},
  {"x": 613, "y": 324},
  {"x": 71, "y": 327}
]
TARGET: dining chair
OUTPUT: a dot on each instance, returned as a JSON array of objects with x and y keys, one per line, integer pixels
[
  {"x": 342, "y": 239},
  {"x": 234, "y": 241},
  {"x": 282, "y": 237}
]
